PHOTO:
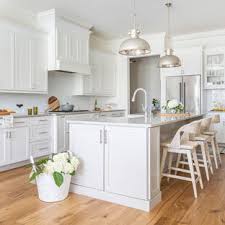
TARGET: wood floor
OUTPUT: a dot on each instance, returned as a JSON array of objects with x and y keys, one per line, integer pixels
[{"x": 19, "y": 205}]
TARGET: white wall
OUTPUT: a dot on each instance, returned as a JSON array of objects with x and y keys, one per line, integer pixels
[{"x": 145, "y": 73}]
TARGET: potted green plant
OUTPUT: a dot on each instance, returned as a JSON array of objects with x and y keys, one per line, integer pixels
[{"x": 53, "y": 175}]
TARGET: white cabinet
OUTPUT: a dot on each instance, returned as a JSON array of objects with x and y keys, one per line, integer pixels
[
  {"x": 214, "y": 70},
  {"x": 111, "y": 158},
  {"x": 125, "y": 172},
  {"x": 191, "y": 62},
  {"x": 219, "y": 127},
  {"x": 23, "y": 59},
  {"x": 39, "y": 65},
  {"x": 68, "y": 43},
  {"x": 19, "y": 144},
  {"x": 4, "y": 151},
  {"x": 102, "y": 81},
  {"x": 15, "y": 145},
  {"x": 90, "y": 153},
  {"x": 6, "y": 58},
  {"x": 40, "y": 136}
]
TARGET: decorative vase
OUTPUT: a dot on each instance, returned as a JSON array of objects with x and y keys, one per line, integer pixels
[{"x": 48, "y": 191}]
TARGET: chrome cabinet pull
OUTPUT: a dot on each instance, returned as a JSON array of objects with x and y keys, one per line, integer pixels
[
  {"x": 100, "y": 137},
  {"x": 44, "y": 132},
  {"x": 105, "y": 136}
]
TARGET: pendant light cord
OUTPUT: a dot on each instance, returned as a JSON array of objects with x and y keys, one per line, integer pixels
[
  {"x": 134, "y": 15},
  {"x": 167, "y": 44}
]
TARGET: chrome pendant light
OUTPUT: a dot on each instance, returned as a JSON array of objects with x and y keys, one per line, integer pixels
[
  {"x": 134, "y": 46},
  {"x": 169, "y": 60}
]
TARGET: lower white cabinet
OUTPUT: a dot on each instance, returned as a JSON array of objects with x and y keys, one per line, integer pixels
[
  {"x": 110, "y": 159},
  {"x": 88, "y": 145},
  {"x": 125, "y": 172},
  {"x": 19, "y": 144},
  {"x": 4, "y": 151},
  {"x": 219, "y": 127},
  {"x": 14, "y": 145},
  {"x": 40, "y": 136}
]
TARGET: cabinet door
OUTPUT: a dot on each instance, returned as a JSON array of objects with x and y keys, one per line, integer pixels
[
  {"x": 22, "y": 61},
  {"x": 4, "y": 151},
  {"x": 6, "y": 59},
  {"x": 19, "y": 144},
  {"x": 191, "y": 61},
  {"x": 126, "y": 168},
  {"x": 109, "y": 75},
  {"x": 61, "y": 135},
  {"x": 86, "y": 141},
  {"x": 39, "y": 67}
]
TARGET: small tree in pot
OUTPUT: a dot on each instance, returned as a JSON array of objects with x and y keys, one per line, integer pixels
[{"x": 53, "y": 176}]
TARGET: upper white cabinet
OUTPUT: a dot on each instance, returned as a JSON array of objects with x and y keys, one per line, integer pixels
[
  {"x": 214, "y": 72},
  {"x": 23, "y": 59},
  {"x": 68, "y": 43},
  {"x": 102, "y": 81},
  {"x": 191, "y": 62},
  {"x": 6, "y": 58}
]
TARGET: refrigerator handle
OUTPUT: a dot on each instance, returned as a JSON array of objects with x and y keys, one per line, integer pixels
[
  {"x": 184, "y": 97},
  {"x": 180, "y": 91}
]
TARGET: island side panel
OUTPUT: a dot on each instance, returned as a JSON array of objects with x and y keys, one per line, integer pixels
[{"x": 154, "y": 165}]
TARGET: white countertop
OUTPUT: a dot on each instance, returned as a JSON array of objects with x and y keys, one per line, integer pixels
[
  {"x": 19, "y": 115},
  {"x": 154, "y": 121}
]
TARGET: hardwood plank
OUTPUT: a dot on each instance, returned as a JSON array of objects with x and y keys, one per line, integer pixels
[{"x": 19, "y": 204}]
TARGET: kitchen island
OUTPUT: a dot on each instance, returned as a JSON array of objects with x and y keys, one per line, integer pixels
[{"x": 120, "y": 157}]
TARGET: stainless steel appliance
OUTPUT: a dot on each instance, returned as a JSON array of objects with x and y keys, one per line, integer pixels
[{"x": 186, "y": 89}]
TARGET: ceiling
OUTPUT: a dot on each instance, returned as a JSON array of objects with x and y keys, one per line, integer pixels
[{"x": 111, "y": 18}]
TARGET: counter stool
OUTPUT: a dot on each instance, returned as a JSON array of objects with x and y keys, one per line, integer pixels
[
  {"x": 181, "y": 145},
  {"x": 212, "y": 133},
  {"x": 204, "y": 159}
]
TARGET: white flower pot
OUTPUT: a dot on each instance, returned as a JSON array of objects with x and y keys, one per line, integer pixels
[{"x": 48, "y": 191}]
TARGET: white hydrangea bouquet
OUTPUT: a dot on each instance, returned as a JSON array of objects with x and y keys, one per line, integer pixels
[
  {"x": 174, "y": 106},
  {"x": 53, "y": 175}
]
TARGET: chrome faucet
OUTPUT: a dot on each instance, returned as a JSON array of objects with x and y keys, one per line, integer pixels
[{"x": 145, "y": 107}]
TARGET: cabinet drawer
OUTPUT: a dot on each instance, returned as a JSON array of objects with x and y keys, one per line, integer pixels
[
  {"x": 40, "y": 148},
  {"x": 40, "y": 121},
  {"x": 20, "y": 122},
  {"x": 118, "y": 114},
  {"x": 39, "y": 132}
]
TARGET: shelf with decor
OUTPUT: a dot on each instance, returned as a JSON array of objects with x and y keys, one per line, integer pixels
[{"x": 214, "y": 69}]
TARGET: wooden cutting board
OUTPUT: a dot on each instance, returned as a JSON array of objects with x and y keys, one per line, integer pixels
[
  {"x": 4, "y": 113},
  {"x": 53, "y": 104},
  {"x": 174, "y": 114}
]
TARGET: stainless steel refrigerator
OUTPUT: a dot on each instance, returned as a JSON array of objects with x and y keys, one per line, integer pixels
[{"x": 186, "y": 89}]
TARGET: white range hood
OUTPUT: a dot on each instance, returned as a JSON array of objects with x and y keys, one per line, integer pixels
[{"x": 68, "y": 42}]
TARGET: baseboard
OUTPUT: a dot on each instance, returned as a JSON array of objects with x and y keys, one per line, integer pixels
[
  {"x": 13, "y": 166},
  {"x": 141, "y": 204}
]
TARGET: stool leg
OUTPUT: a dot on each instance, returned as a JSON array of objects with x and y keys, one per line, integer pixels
[
  {"x": 178, "y": 162},
  {"x": 190, "y": 162},
  {"x": 170, "y": 164},
  {"x": 214, "y": 152},
  {"x": 208, "y": 157},
  {"x": 203, "y": 150},
  {"x": 163, "y": 160},
  {"x": 197, "y": 168},
  {"x": 218, "y": 150}
]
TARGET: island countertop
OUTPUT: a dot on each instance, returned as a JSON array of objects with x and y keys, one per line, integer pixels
[{"x": 153, "y": 121}]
